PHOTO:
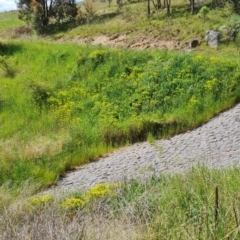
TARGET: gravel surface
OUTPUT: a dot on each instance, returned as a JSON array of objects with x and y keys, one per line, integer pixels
[{"x": 215, "y": 144}]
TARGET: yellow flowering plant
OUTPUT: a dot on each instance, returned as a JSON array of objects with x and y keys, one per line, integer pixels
[
  {"x": 99, "y": 191},
  {"x": 41, "y": 200},
  {"x": 72, "y": 203}
]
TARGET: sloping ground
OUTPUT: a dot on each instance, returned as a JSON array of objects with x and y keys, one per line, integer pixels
[
  {"x": 139, "y": 41},
  {"x": 215, "y": 144}
]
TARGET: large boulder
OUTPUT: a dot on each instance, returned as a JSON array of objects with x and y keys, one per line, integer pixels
[
  {"x": 213, "y": 38},
  {"x": 228, "y": 34}
]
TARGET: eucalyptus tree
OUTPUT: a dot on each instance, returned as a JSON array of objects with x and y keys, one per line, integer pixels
[{"x": 38, "y": 13}]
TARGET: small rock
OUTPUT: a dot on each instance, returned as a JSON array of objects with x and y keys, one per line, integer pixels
[
  {"x": 114, "y": 37},
  {"x": 233, "y": 34},
  {"x": 228, "y": 33},
  {"x": 237, "y": 26},
  {"x": 213, "y": 38},
  {"x": 224, "y": 28}
]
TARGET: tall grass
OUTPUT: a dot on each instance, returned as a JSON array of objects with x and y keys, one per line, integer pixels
[
  {"x": 67, "y": 104},
  {"x": 9, "y": 20},
  {"x": 166, "y": 207}
]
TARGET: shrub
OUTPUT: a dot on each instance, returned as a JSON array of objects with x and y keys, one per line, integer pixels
[
  {"x": 22, "y": 30},
  {"x": 6, "y": 67},
  {"x": 101, "y": 190},
  {"x": 203, "y": 13},
  {"x": 41, "y": 200},
  {"x": 97, "y": 57},
  {"x": 72, "y": 203},
  {"x": 40, "y": 94}
]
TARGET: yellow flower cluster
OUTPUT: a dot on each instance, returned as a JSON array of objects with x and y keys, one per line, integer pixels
[
  {"x": 101, "y": 190},
  {"x": 72, "y": 203},
  {"x": 97, "y": 54},
  {"x": 64, "y": 112},
  {"x": 198, "y": 58},
  {"x": 41, "y": 199},
  {"x": 193, "y": 102},
  {"x": 214, "y": 60},
  {"x": 210, "y": 84}
]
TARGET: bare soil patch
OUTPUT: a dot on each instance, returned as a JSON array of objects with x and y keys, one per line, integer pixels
[{"x": 125, "y": 40}]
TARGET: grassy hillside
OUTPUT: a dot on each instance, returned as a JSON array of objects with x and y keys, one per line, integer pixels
[
  {"x": 69, "y": 104},
  {"x": 9, "y": 22},
  {"x": 9, "y": 19},
  {"x": 63, "y": 104},
  {"x": 132, "y": 20}
]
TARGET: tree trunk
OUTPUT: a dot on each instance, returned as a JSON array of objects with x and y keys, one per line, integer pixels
[
  {"x": 148, "y": 8},
  {"x": 45, "y": 13},
  {"x": 155, "y": 6},
  {"x": 168, "y": 3},
  {"x": 192, "y": 6}
]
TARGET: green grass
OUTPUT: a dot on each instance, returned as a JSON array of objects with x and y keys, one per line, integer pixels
[
  {"x": 133, "y": 21},
  {"x": 70, "y": 104},
  {"x": 203, "y": 204},
  {"x": 63, "y": 105},
  {"x": 10, "y": 24},
  {"x": 200, "y": 204},
  {"x": 9, "y": 20}
]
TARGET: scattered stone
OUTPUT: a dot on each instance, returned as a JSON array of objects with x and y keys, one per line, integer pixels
[
  {"x": 228, "y": 34},
  {"x": 224, "y": 28},
  {"x": 114, "y": 37},
  {"x": 213, "y": 38},
  {"x": 237, "y": 26},
  {"x": 233, "y": 34}
]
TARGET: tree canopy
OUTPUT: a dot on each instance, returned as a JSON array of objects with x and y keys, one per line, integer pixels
[{"x": 38, "y": 13}]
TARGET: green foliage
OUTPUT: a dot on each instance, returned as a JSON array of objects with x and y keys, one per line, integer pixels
[
  {"x": 233, "y": 20},
  {"x": 94, "y": 99},
  {"x": 97, "y": 57},
  {"x": 6, "y": 67},
  {"x": 70, "y": 104},
  {"x": 236, "y": 6},
  {"x": 99, "y": 191},
  {"x": 40, "y": 13},
  {"x": 90, "y": 10},
  {"x": 200, "y": 204},
  {"x": 203, "y": 13},
  {"x": 41, "y": 200},
  {"x": 186, "y": 203},
  {"x": 40, "y": 95},
  {"x": 131, "y": 19},
  {"x": 64, "y": 10},
  {"x": 9, "y": 20},
  {"x": 72, "y": 203}
]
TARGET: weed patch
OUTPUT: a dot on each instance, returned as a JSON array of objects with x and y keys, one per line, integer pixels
[{"x": 101, "y": 99}]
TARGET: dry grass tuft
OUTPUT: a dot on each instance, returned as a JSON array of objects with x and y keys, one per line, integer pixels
[{"x": 28, "y": 222}]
